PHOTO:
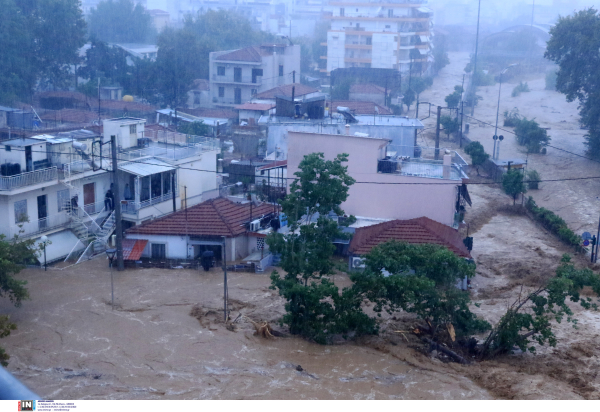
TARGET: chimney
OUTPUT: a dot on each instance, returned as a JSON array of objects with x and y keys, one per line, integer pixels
[{"x": 347, "y": 130}]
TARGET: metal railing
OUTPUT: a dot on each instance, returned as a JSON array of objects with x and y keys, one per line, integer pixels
[
  {"x": 163, "y": 136},
  {"x": 40, "y": 225},
  {"x": 174, "y": 153},
  {"x": 94, "y": 208},
  {"x": 131, "y": 206},
  {"x": 28, "y": 178}
]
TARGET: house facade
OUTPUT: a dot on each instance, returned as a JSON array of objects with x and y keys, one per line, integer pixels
[
  {"x": 372, "y": 34},
  {"x": 238, "y": 75},
  {"x": 388, "y": 186}
]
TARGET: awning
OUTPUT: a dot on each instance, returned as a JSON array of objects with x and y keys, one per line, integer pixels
[
  {"x": 424, "y": 39},
  {"x": 425, "y": 10},
  {"x": 59, "y": 246},
  {"x": 133, "y": 248},
  {"x": 146, "y": 167},
  {"x": 424, "y": 51}
]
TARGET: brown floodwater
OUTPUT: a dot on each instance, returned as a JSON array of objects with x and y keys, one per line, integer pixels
[{"x": 71, "y": 345}]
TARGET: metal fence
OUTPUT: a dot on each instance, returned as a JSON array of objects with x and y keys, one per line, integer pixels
[
  {"x": 40, "y": 225},
  {"x": 28, "y": 178},
  {"x": 131, "y": 206}
]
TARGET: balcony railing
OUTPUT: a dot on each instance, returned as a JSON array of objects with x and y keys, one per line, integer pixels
[
  {"x": 208, "y": 143},
  {"x": 34, "y": 227},
  {"x": 131, "y": 206},
  {"x": 28, "y": 178},
  {"x": 174, "y": 153}
]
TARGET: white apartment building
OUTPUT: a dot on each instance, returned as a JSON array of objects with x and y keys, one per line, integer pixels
[
  {"x": 383, "y": 35},
  {"x": 55, "y": 185},
  {"x": 238, "y": 75}
]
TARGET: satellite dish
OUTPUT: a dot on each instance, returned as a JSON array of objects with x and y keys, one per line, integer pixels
[{"x": 586, "y": 236}]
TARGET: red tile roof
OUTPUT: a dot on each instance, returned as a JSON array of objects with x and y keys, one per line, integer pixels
[
  {"x": 71, "y": 116},
  {"x": 247, "y": 54},
  {"x": 215, "y": 217},
  {"x": 356, "y": 107},
  {"x": 415, "y": 231},
  {"x": 367, "y": 88},
  {"x": 122, "y": 105},
  {"x": 286, "y": 90},
  {"x": 255, "y": 106},
  {"x": 133, "y": 248},
  {"x": 278, "y": 163}
]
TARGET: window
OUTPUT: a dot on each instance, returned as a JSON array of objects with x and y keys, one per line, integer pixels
[
  {"x": 369, "y": 41},
  {"x": 396, "y": 39},
  {"x": 220, "y": 70},
  {"x": 256, "y": 73},
  {"x": 280, "y": 70},
  {"x": 253, "y": 92},
  {"x": 7, "y": 148},
  {"x": 145, "y": 191},
  {"x": 390, "y": 13},
  {"x": 159, "y": 251},
  {"x": 237, "y": 95},
  {"x": 62, "y": 197},
  {"x": 221, "y": 92},
  {"x": 166, "y": 178},
  {"x": 21, "y": 211},
  {"x": 342, "y": 12},
  {"x": 196, "y": 98},
  {"x": 387, "y": 26},
  {"x": 132, "y": 128},
  {"x": 237, "y": 74}
]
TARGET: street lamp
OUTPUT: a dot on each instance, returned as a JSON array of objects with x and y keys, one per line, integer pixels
[
  {"x": 111, "y": 256},
  {"x": 498, "y": 109},
  {"x": 44, "y": 240}
]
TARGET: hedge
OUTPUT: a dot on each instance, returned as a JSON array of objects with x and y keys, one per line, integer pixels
[{"x": 554, "y": 224}]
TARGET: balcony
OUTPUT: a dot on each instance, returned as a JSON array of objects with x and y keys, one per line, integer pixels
[
  {"x": 132, "y": 207},
  {"x": 243, "y": 81},
  {"x": 35, "y": 227},
  {"x": 28, "y": 178}
]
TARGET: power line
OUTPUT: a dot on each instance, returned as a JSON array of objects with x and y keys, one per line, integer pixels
[{"x": 356, "y": 182}]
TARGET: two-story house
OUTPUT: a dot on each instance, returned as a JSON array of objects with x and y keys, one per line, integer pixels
[{"x": 238, "y": 75}]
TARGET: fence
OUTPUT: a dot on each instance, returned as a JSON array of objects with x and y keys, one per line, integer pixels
[
  {"x": 28, "y": 178},
  {"x": 131, "y": 206}
]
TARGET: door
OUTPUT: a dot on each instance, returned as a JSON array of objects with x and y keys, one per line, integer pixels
[
  {"x": 42, "y": 212},
  {"x": 237, "y": 74},
  {"x": 238, "y": 96},
  {"x": 28, "y": 159},
  {"x": 89, "y": 197}
]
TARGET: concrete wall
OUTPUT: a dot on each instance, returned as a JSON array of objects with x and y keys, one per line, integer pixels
[
  {"x": 120, "y": 128},
  {"x": 377, "y": 200},
  {"x": 368, "y": 97},
  {"x": 17, "y": 154},
  {"x": 198, "y": 182},
  {"x": 277, "y": 138}
]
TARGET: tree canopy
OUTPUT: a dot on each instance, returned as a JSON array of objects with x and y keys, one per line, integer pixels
[
  {"x": 477, "y": 153},
  {"x": 39, "y": 40},
  {"x": 121, "y": 21},
  {"x": 512, "y": 183},
  {"x": 575, "y": 46}
]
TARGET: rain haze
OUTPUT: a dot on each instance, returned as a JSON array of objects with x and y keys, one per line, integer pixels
[{"x": 299, "y": 199}]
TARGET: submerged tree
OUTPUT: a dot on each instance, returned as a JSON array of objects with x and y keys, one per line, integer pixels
[
  {"x": 513, "y": 185},
  {"x": 315, "y": 307},
  {"x": 477, "y": 153}
]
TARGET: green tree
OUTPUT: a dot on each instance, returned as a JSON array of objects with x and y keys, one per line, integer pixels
[
  {"x": 450, "y": 124},
  {"x": 477, "y": 153},
  {"x": 108, "y": 63},
  {"x": 194, "y": 128},
  {"x": 575, "y": 46},
  {"x": 453, "y": 99},
  {"x": 419, "y": 279},
  {"x": 315, "y": 307},
  {"x": 440, "y": 53},
  {"x": 533, "y": 178},
  {"x": 530, "y": 134},
  {"x": 12, "y": 256},
  {"x": 39, "y": 42},
  {"x": 341, "y": 91},
  {"x": 409, "y": 98},
  {"x": 512, "y": 183},
  {"x": 529, "y": 319},
  {"x": 121, "y": 21}
]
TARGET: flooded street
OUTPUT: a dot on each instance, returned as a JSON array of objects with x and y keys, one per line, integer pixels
[{"x": 71, "y": 345}]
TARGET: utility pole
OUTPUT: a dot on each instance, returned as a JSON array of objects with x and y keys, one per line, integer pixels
[
  {"x": 473, "y": 78},
  {"x": 173, "y": 189},
  {"x": 462, "y": 113},
  {"x": 225, "y": 291},
  {"x": 437, "y": 133},
  {"x": 293, "y": 78},
  {"x": 117, "y": 197}
]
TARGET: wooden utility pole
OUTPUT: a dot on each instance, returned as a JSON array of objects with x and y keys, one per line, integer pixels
[
  {"x": 117, "y": 200},
  {"x": 437, "y": 133}
]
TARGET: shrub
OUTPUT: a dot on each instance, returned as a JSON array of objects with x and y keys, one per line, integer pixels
[
  {"x": 533, "y": 178},
  {"x": 554, "y": 224},
  {"x": 530, "y": 134},
  {"x": 477, "y": 153},
  {"x": 520, "y": 88},
  {"x": 511, "y": 119}
]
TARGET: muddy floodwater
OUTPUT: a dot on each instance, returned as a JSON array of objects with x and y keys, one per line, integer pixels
[{"x": 71, "y": 345}]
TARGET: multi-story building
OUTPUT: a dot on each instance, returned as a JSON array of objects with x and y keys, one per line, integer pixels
[
  {"x": 56, "y": 185},
  {"x": 238, "y": 75},
  {"x": 387, "y": 35}
]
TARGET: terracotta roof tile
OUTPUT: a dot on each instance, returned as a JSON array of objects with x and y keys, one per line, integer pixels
[
  {"x": 255, "y": 106},
  {"x": 247, "y": 54},
  {"x": 215, "y": 217},
  {"x": 133, "y": 248},
  {"x": 414, "y": 231},
  {"x": 286, "y": 90},
  {"x": 366, "y": 88},
  {"x": 218, "y": 113}
]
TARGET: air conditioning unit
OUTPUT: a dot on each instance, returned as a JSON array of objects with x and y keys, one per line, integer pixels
[
  {"x": 255, "y": 225},
  {"x": 358, "y": 262}
]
